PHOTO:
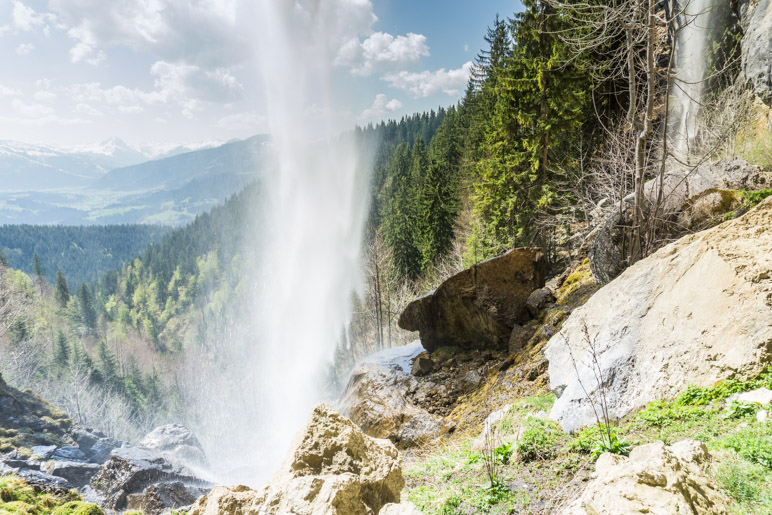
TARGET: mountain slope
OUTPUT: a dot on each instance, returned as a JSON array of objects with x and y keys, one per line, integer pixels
[{"x": 236, "y": 158}]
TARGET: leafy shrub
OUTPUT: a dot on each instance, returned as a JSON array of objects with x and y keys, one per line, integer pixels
[
  {"x": 741, "y": 409},
  {"x": 538, "y": 441},
  {"x": 503, "y": 452},
  {"x": 755, "y": 197},
  {"x": 661, "y": 413}
]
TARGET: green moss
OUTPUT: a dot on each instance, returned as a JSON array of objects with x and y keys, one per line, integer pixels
[
  {"x": 78, "y": 508},
  {"x": 19, "y": 508},
  {"x": 755, "y": 197}
]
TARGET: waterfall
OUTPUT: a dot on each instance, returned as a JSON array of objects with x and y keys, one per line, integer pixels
[
  {"x": 313, "y": 209},
  {"x": 699, "y": 23}
]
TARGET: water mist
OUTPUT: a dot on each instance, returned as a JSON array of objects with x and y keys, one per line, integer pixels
[
  {"x": 257, "y": 388},
  {"x": 316, "y": 209}
]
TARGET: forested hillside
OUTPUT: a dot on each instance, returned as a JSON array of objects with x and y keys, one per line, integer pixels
[
  {"x": 82, "y": 253},
  {"x": 549, "y": 129}
]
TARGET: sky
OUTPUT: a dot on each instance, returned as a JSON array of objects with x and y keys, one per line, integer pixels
[{"x": 172, "y": 71}]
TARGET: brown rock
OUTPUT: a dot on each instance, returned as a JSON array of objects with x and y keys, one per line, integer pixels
[
  {"x": 539, "y": 300},
  {"x": 477, "y": 308},
  {"x": 654, "y": 479},
  {"x": 422, "y": 365},
  {"x": 376, "y": 400},
  {"x": 332, "y": 468}
]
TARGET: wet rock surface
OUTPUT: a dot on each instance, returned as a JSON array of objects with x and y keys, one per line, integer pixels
[
  {"x": 477, "y": 308},
  {"x": 131, "y": 470},
  {"x": 757, "y": 48}
]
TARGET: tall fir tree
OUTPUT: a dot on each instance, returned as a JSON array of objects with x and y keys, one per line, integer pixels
[
  {"x": 87, "y": 310},
  {"x": 37, "y": 267},
  {"x": 61, "y": 291},
  {"x": 61, "y": 350}
]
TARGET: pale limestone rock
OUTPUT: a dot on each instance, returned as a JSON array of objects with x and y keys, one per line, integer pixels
[
  {"x": 696, "y": 312},
  {"x": 404, "y": 508},
  {"x": 332, "y": 468},
  {"x": 761, "y": 396},
  {"x": 655, "y": 479}
]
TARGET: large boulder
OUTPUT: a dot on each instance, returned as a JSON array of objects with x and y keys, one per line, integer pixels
[
  {"x": 132, "y": 470},
  {"x": 690, "y": 197},
  {"x": 376, "y": 399},
  {"x": 654, "y": 479},
  {"x": 331, "y": 468},
  {"x": 176, "y": 443},
  {"x": 477, "y": 308},
  {"x": 757, "y": 49},
  {"x": 695, "y": 312}
]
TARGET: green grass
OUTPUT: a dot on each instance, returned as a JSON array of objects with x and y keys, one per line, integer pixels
[{"x": 549, "y": 465}]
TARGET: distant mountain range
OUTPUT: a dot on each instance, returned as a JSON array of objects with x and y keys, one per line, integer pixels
[{"x": 113, "y": 182}]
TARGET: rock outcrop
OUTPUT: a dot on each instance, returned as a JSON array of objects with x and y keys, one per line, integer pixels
[
  {"x": 176, "y": 443},
  {"x": 134, "y": 473},
  {"x": 689, "y": 198},
  {"x": 757, "y": 49},
  {"x": 695, "y": 312},
  {"x": 332, "y": 468},
  {"x": 377, "y": 400},
  {"x": 654, "y": 479},
  {"x": 477, "y": 308}
]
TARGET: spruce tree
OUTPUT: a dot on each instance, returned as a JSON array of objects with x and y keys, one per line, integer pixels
[
  {"x": 3, "y": 259},
  {"x": 87, "y": 310},
  {"x": 61, "y": 291},
  {"x": 37, "y": 267},
  {"x": 108, "y": 364},
  {"x": 62, "y": 350}
]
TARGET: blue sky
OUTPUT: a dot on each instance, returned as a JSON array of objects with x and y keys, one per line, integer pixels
[{"x": 174, "y": 71}]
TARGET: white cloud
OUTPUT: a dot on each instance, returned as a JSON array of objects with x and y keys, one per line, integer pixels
[
  {"x": 381, "y": 51},
  {"x": 25, "y": 48},
  {"x": 5, "y": 91},
  {"x": 45, "y": 96},
  {"x": 31, "y": 110},
  {"x": 25, "y": 18},
  {"x": 251, "y": 122},
  {"x": 425, "y": 84},
  {"x": 87, "y": 109},
  {"x": 381, "y": 106},
  {"x": 202, "y": 32}
]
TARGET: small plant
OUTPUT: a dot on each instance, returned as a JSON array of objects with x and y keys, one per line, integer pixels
[
  {"x": 538, "y": 441},
  {"x": 503, "y": 452},
  {"x": 741, "y": 480},
  {"x": 740, "y": 409},
  {"x": 610, "y": 442},
  {"x": 450, "y": 506}
]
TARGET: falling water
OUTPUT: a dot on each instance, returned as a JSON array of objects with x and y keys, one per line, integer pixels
[
  {"x": 313, "y": 208},
  {"x": 698, "y": 22},
  {"x": 316, "y": 208}
]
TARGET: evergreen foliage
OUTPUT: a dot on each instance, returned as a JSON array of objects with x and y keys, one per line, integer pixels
[
  {"x": 83, "y": 253},
  {"x": 61, "y": 291},
  {"x": 87, "y": 311}
]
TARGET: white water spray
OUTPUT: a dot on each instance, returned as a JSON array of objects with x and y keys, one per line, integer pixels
[
  {"x": 315, "y": 209},
  {"x": 697, "y": 22}
]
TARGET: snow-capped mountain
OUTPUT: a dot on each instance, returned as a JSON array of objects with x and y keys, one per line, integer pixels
[{"x": 26, "y": 166}]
